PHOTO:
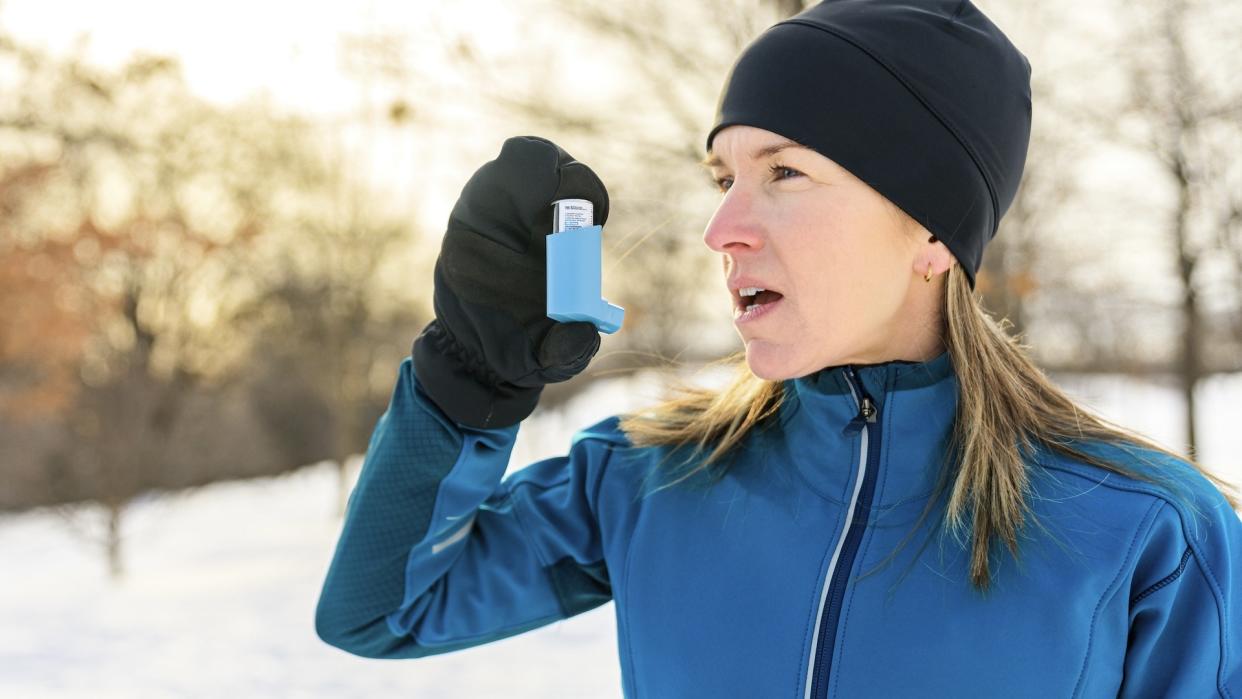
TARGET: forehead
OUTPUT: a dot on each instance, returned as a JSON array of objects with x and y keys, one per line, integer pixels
[{"x": 756, "y": 144}]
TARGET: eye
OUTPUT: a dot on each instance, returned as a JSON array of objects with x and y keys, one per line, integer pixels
[
  {"x": 777, "y": 168},
  {"x": 723, "y": 183}
]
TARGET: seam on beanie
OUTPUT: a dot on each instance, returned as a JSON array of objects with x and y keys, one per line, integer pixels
[{"x": 974, "y": 157}]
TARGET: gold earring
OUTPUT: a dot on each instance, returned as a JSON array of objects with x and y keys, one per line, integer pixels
[{"x": 927, "y": 277}]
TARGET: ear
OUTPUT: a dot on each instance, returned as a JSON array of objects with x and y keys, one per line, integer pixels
[{"x": 935, "y": 255}]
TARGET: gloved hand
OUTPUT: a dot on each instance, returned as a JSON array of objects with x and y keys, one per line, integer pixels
[{"x": 486, "y": 357}]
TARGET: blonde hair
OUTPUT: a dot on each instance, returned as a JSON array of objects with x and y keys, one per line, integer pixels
[{"x": 1007, "y": 410}]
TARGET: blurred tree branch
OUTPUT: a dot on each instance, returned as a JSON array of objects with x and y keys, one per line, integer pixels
[{"x": 149, "y": 238}]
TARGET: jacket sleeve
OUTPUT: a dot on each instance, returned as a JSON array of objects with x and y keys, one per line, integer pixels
[
  {"x": 437, "y": 554},
  {"x": 1185, "y": 635}
]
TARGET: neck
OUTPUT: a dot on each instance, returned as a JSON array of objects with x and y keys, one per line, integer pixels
[{"x": 915, "y": 334}]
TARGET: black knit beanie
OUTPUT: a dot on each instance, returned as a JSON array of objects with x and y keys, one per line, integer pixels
[{"x": 924, "y": 100}]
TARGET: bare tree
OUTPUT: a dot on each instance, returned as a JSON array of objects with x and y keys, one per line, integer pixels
[
  {"x": 1186, "y": 115},
  {"x": 336, "y": 329},
  {"x": 168, "y": 216}
]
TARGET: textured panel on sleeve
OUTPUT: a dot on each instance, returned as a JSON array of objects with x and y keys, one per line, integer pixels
[{"x": 390, "y": 508}]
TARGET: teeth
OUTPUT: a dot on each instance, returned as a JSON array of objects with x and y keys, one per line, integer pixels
[
  {"x": 738, "y": 312},
  {"x": 750, "y": 290}
]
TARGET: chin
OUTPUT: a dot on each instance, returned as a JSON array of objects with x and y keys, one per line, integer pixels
[{"x": 770, "y": 364}]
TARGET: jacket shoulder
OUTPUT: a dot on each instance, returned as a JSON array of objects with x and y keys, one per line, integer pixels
[
  {"x": 607, "y": 430},
  {"x": 1174, "y": 481},
  {"x": 1183, "y": 515}
]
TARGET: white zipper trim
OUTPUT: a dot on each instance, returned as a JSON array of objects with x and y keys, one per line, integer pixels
[{"x": 832, "y": 565}]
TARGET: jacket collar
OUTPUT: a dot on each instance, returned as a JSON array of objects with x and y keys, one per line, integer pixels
[{"x": 916, "y": 404}]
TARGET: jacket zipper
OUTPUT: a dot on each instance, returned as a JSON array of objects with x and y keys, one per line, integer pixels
[{"x": 832, "y": 594}]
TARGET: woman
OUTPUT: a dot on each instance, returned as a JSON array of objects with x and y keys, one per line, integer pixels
[{"x": 774, "y": 538}]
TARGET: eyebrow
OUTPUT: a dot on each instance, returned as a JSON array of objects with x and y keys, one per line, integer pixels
[{"x": 713, "y": 160}]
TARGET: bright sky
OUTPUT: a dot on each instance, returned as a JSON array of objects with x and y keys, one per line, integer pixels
[{"x": 231, "y": 50}]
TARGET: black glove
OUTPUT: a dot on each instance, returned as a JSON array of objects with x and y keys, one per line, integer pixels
[{"x": 486, "y": 357}]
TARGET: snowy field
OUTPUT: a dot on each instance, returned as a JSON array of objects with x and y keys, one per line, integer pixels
[
  {"x": 221, "y": 584},
  {"x": 219, "y": 600}
]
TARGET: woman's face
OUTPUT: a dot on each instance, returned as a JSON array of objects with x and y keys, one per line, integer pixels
[{"x": 848, "y": 264}]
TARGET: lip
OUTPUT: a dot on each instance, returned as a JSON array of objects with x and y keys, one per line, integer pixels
[
  {"x": 743, "y": 282},
  {"x": 735, "y": 285},
  {"x": 741, "y": 317}
]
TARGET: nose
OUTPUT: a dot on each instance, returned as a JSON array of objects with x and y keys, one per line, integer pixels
[{"x": 736, "y": 225}]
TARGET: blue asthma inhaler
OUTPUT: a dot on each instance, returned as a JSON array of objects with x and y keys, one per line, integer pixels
[{"x": 574, "y": 268}]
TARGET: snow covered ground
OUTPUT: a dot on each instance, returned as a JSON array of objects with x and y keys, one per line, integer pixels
[
  {"x": 219, "y": 601},
  {"x": 222, "y": 583}
]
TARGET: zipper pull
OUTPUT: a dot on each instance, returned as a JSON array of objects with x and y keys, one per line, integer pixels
[
  {"x": 866, "y": 413},
  {"x": 868, "y": 410}
]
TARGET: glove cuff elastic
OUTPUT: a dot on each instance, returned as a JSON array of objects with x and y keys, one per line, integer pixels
[{"x": 463, "y": 386}]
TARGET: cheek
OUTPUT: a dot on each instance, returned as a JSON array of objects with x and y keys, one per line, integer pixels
[
  {"x": 829, "y": 252},
  {"x": 831, "y": 291},
  {"x": 844, "y": 269}
]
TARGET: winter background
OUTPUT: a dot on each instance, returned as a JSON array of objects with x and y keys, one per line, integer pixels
[{"x": 221, "y": 580}]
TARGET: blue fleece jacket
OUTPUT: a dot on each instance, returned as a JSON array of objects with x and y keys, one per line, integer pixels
[{"x": 804, "y": 571}]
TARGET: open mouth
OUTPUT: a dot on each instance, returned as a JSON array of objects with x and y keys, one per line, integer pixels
[
  {"x": 751, "y": 303},
  {"x": 747, "y": 298}
]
